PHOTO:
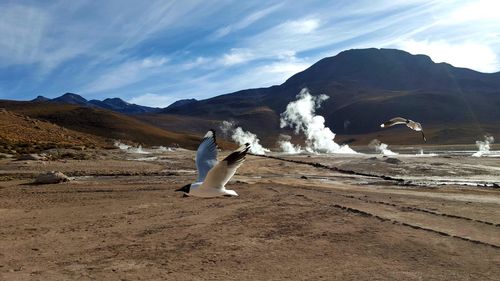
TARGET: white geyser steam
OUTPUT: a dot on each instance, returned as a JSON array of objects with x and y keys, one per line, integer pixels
[
  {"x": 483, "y": 146},
  {"x": 288, "y": 147},
  {"x": 381, "y": 148},
  {"x": 130, "y": 149},
  {"x": 241, "y": 137},
  {"x": 300, "y": 115},
  {"x": 121, "y": 145}
]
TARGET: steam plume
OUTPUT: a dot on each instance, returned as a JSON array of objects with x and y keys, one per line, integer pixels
[
  {"x": 227, "y": 128},
  {"x": 137, "y": 150},
  {"x": 381, "y": 148},
  {"x": 300, "y": 115},
  {"x": 121, "y": 145},
  {"x": 241, "y": 137},
  {"x": 483, "y": 146},
  {"x": 130, "y": 149},
  {"x": 286, "y": 146}
]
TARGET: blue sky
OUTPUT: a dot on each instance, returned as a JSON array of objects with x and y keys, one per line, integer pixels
[{"x": 156, "y": 52}]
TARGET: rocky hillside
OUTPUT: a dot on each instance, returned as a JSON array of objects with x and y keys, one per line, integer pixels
[
  {"x": 101, "y": 123},
  {"x": 22, "y": 134}
]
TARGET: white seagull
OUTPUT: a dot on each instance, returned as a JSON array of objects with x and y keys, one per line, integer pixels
[
  {"x": 213, "y": 175},
  {"x": 410, "y": 123}
]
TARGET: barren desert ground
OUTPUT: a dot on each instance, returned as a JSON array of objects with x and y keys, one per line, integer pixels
[{"x": 336, "y": 218}]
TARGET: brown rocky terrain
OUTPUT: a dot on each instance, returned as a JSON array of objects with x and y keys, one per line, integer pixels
[
  {"x": 105, "y": 125},
  {"x": 22, "y": 134},
  {"x": 120, "y": 219}
]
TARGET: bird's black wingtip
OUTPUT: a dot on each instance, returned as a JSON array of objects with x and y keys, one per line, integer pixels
[
  {"x": 210, "y": 138},
  {"x": 237, "y": 155},
  {"x": 423, "y": 136},
  {"x": 211, "y": 134}
]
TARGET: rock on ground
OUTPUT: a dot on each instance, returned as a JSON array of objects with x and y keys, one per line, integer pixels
[
  {"x": 31, "y": 157},
  {"x": 394, "y": 161},
  {"x": 51, "y": 177}
]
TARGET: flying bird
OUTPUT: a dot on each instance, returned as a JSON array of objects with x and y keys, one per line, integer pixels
[
  {"x": 213, "y": 175},
  {"x": 410, "y": 123}
]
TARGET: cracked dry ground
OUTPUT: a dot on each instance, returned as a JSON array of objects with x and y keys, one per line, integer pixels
[{"x": 122, "y": 220}]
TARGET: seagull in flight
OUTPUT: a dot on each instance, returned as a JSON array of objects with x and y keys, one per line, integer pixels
[
  {"x": 213, "y": 175},
  {"x": 410, "y": 123}
]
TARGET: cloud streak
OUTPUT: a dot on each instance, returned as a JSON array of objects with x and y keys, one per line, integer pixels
[
  {"x": 127, "y": 73},
  {"x": 245, "y": 22}
]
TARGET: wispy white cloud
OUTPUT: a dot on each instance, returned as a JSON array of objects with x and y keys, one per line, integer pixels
[
  {"x": 317, "y": 31},
  {"x": 236, "y": 56},
  {"x": 21, "y": 38},
  {"x": 265, "y": 75},
  {"x": 275, "y": 43},
  {"x": 49, "y": 35},
  {"x": 245, "y": 22},
  {"x": 289, "y": 36},
  {"x": 465, "y": 34},
  {"x": 467, "y": 54},
  {"x": 197, "y": 62},
  {"x": 283, "y": 69},
  {"x": 126, "y": 73},
  {"x": 475, "y": 11},
  {"x": 218, "y": 81},
  {"x": 304, "y": 26}
]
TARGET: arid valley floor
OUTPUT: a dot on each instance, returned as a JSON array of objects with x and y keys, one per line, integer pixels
[{"x": 337, "y": 218}]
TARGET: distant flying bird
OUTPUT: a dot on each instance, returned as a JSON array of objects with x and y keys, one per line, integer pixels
[
  {"x": 213, "y": 175},
  {"x": 410, "y": 123}
]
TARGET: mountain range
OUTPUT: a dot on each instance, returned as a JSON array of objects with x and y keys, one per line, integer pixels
[
  {"x": 113, "y": 104},
  {"x": 365, "y": 88}
]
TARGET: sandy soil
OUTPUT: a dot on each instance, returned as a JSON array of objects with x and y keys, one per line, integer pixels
[{"x": 120, "y": 219}]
